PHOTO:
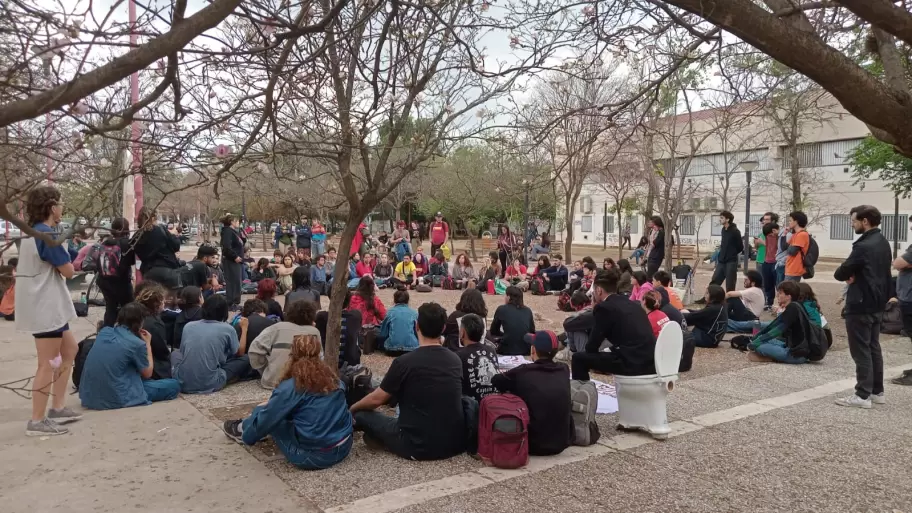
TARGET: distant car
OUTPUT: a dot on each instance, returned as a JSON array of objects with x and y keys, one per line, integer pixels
[{"x": 8, "y": 229}]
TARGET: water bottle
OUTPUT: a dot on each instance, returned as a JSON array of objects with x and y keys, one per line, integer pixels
[
  {"x": 83, "y": 298},
  {"x": 756, "y": 328}
]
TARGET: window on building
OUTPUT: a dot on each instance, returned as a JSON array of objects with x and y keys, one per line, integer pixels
[
  {"x": 585, "y": 204},
  {"x": 756, "y": 228},
  {"x": 715, "y": 225},
  {"x": 688, "y": 225},
  {"x": 634, "y": 222},
  {"x": 888, "y": 223},
  {"x": 841, "y": 227},
  {"x": 609, "y": 224},
  {"x": 587, "y": 224},
  {"x": 809, "y": 155}
]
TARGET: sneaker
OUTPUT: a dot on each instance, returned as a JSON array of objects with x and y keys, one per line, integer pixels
[
  {"x": 232, "y": 429},
  {"x": 853, "y": 401},
  {"x": 878, "y": 398},
  {"x": 46, "y": 427},
  {"x": 905, "y": 379},
  {"x": 63, "y": 415}
]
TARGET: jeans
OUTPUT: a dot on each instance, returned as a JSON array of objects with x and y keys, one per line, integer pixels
[
  {"x": 743, "y": 326},
  {"x": 777, "y": 350},
  {"x": 161, "y": 389},
  {"x": 384, "y": 429},
  {"x": 117, "y": 293},
  {"x": 238, "y": 369},
  {"x": 727, "y": 272},
  {"x": 233, "y": 280},
  {"x": 317, "y": 248},
  {"x": 703, "y": 339},
  {"x": 768, "y": 272},
  {"x": 582, "y": 362},
  {"x": 780, "y": 274},
  {"x": 864, "y": 346},
  {"x": 792, "y": 278},
  {"x": 637, "y": 255}
]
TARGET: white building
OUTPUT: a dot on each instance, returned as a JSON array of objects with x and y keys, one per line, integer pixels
[{"x": 830, "y": 189}]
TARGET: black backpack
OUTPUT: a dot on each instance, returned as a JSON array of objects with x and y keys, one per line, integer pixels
[
  {"x": 818, "y": 343},
  {"x": 810, "y": 258},
  {"x": 85, "y": 345}
]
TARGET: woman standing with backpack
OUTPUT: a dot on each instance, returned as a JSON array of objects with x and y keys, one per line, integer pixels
[{"x": 114, "y": 268}]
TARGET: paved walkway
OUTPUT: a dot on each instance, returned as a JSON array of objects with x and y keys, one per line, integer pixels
[{"x": 747, "y": 437}]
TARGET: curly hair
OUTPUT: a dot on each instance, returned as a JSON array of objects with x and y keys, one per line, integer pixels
[
  {"x": 151, "y": 295},
  {"x": 40, "y": 202},
  {"x": 472, "y": 302},
  {"x": 301, "y": 312},
  {"x": 307, "y": 369}
]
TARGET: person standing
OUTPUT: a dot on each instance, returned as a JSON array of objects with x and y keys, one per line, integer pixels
[
  {"x": 438, "y": 232},
  {"x": 656, "y": 253},
  {"x": 768, "y": 267},
  {"x": 232, "y": 256},
  {"x": 304, "y": 234},
  {"x": 626, "y": 237},
  {"x": 798, "y": 246},
  {"x": 903, "y": 264},
  {"x": 116, "y": 281},
  {"x": 730, "y": 249},
  {"x": 867, "y": 272}
]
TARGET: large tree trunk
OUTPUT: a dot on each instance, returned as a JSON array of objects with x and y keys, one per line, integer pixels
[
  {"x": 338, "y": 291},
  {"x": 620, "y": 225},
  {"x": 569, "y": 213},
  {"x": 795, "y": 168}
]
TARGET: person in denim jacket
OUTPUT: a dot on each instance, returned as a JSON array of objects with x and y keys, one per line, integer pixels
[{"x": 397, "y": 332}]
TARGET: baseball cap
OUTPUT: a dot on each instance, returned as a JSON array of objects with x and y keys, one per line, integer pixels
[
  {"x": 438, "y": 214},
  {"x": 206, "y": 250},
  {"x": 544, "y": 341}
]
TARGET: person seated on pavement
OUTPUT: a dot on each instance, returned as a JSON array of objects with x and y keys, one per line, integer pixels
[
  {"x": 405, "y": 274},
  {"x": 306, "y": 415},
  {"x": 397, "y": 332},
  {"x": 350, "y": 349},
  {"x": 479, "y": 360},
  {"x": 191, "y": 304},
  {"x": 427, "y": 384},
  {"x": 668, "y": 309},
  {"x": 470, "y": 302},
  {"x": 117, "y": 370},
  {"x": 577, "y": 327},
  {"x": 365, "y": 300},
  {"x": 266, "y": 292},
  {"x": 625, "y": 283},
  {"x": 269, "y": 351},
  {"x": 663, "y": 279},
  {"x": 256, "y": 313},
  {"x": 512, "y": 321},
  {"x": 152, "y": 296},
  {"x": 625, "y": 326},
  {"x": 652, "y": 303},
  {"x": 710, "y": 323},
  {"x": 438, "y": 267},
  {"x": 641, "y": 286},
  {"x": 198, "y": 272},
  {"x": 464, "y": 275},
  {"x": 211, "y": 354},
  {"x": 784, "y": 340},
  {"x": 318, "y": 278},
  {"x": 808, "y": 300},
  {"x": 745, "y": 306},
  {"x": 301, "y": 288},
  {"x": 262, "y": 271},
  {"x": 383, "y": 271},
  {"x": 544, "y": 385}
]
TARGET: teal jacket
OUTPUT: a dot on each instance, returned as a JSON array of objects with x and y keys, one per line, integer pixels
[{"x": 398, "y": 329}]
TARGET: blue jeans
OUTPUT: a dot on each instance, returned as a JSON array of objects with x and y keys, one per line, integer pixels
[
  {"x": 777, "y": 350},
  {"x": 703, "y": 339},
  {"x": 768, "y": 272},
  {"x": 161, "y": 389},
  {"x": 742, "y": 326},
  {"x": 317, "y": 248},
  {"x": 780, "y": 274},
  {"x": 286, "y": 439}
]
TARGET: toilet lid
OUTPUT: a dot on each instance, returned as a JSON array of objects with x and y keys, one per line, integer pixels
[{"x": 668, "y": 349}]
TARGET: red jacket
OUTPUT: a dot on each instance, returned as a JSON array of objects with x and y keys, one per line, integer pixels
[
  {"x": 363, "y": 269},
  {"x": 368, "y": 317}
]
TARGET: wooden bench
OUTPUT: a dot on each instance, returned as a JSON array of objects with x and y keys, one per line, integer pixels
[
  {"x": 488, "y": 242},
  {"x": 684, "y": 253}
]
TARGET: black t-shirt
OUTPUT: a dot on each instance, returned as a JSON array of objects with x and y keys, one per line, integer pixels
[
  {"x": 625, "y": 324},
  {"x": 427, "y": 383},
  {"x": 255, "y": 325},
  {"x": 512, "y": 324},
  {"x": 195, "y": 273},
  {"x": 479, "y": 365}
]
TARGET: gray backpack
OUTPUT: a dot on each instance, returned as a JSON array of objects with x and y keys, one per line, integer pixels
[{"x": 584, "y": 402}]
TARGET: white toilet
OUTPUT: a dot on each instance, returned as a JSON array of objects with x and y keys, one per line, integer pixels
[{"x": 641, "y": 399}]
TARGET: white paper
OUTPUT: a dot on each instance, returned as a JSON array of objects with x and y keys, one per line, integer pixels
[{"x": 607, "y": 394}]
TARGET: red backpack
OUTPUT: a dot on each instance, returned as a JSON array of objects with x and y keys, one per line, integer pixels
[{"x": 503, "y": 431}]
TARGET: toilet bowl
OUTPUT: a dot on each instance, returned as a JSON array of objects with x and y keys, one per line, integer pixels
[{"x": 641, "y": 399}]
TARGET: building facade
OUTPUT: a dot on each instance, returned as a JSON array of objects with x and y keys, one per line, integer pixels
[{"x": 827, "y": 184}]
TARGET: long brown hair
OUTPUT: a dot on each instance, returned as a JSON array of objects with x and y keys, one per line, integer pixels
[{"x": 304, "y": 365}]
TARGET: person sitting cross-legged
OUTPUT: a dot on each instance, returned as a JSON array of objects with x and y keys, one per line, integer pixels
[
  {"x": 306, "y": 415},
  {"x": 405, "y": 274},
  {"x": 256, "y": 313},
  {"x": 710, "y": 323},
  {"x": 427, "y": 383},
  {"x": 211, "y": 354},
  {"x": 512, "y": 321},
  {"x": 117, "y": 369},
  {"x": 626, "y": 327},
  {"x": 397, "y": 331},
  {"x": 479, "y": 360},
  {"x": 785, "y": 339},
  {"x": 269, "y": 351},
  {"x": 745, "y": 306},
  {"x": 302, "y": 288},
  {"x": 544, "y": 385}
]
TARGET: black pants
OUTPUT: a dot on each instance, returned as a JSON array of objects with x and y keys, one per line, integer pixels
[
  {"x": 864, "y": 346},
  {"x": 727, "y": 272},
  {"x": 238, "y": 369},
  {"x": 768, "y": 271},
  {"x": 384, "y": 429},
  {"x": 166, "y": 276},
  {"x": 626, "y": 241},
  {"x": 117, "y": 293},
  {"x": 652, "y": 267},
  {"x": 504, "y": 256},
  {"x": 233, "y": 280},
  {"x": 737, "y": 311},
  {"x": 609, "y": 363}
]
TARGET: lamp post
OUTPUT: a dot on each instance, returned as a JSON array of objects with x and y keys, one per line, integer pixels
[{"x": 749, "y": 166}]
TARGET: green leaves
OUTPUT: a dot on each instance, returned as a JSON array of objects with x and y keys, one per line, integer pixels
[{"x": 873, "y": 159}]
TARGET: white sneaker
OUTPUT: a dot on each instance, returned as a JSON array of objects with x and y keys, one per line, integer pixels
[
  {"x": 878, "y": 398},
  {"x": 853, "y": 401}
]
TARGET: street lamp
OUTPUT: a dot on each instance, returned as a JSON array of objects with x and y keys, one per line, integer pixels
[{"x": 749, "y": 166}]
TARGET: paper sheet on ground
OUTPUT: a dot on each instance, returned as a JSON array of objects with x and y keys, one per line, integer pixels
[{"x": 607, "y": 395}]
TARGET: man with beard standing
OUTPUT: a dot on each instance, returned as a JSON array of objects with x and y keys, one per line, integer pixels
[
  {"x": 730, "y": 249},
  {"x": 867, "y": 272}
]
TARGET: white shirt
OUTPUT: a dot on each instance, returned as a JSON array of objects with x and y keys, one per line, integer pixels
[{"x": 754, "y": 299}]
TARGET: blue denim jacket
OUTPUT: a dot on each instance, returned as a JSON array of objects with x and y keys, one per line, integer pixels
[
  {"x": 317, "y": 274},
  {"x": 398, "y": 329},
  {"x": 300, "y": 421}
]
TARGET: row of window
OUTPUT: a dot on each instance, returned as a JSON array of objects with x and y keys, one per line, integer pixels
[{"x": 840, "y": 226}]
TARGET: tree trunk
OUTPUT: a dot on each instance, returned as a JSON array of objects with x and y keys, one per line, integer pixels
[
  {"x": 471, "y": 239},
  {"x": 620, "y": 225},
  {"x": 569, "y": 213},
  {"x": 338, "y": 291}
]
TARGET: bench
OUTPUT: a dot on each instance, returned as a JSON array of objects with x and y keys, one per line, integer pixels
[{"x": 684, "y": 253}]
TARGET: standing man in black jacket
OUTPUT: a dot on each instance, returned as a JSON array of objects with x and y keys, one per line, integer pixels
[
  {"x": 232, "y": 256},
  {"x": 656, "y": 254},
  {"x": 867, "y": 272},
  {"x": 730, "y": 249}
]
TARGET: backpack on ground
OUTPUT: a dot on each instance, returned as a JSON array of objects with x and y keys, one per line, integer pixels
[
  {"x": 89, "y": 264},
  {"x": 437, "y": 280},
  {"x": 85, "y": 345},
  {"x": 563, "y": 302},
  {"x": 503, "y": 431},
  {"x": 818, "y": 343},
  {"x": 423, "y": 287},
  {"x": 810, "y": 258},
  {"x": 537, "y": 286},
  {"x": 584, "y": 403},
  {"x": 448, "y": 283},
  {"x": 358, "y": 381}
]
